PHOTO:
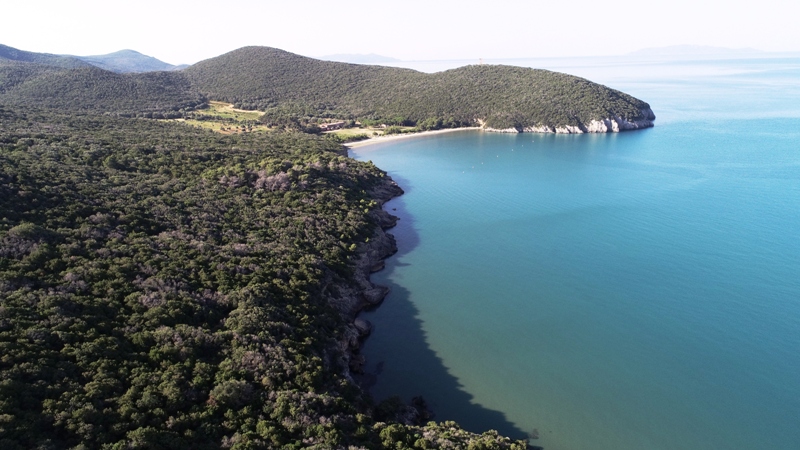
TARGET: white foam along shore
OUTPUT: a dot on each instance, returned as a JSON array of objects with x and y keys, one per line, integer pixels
[{"x": 394, "y": 137}]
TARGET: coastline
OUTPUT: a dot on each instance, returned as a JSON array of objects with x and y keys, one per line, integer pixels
[
  {"x": 613, "y": 124},
  {"x": 395, "y": 137},
  {"x": 353, "y": 295}
]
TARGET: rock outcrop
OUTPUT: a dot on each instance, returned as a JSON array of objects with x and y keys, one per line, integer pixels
[
  {"x": 613, "y": 124},
  {"x": 353, "y": 295}
]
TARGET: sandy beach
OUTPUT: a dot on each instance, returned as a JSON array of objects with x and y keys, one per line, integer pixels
[{"x": 393, "y": 137}]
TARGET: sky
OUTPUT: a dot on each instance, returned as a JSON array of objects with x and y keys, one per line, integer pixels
[{"x": 183, "y": 32}]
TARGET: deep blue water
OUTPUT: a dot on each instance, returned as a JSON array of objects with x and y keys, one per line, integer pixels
[{"x": 621, "y": 291}]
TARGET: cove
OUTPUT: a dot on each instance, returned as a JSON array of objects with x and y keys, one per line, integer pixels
[{"x": 616, "y": 291}]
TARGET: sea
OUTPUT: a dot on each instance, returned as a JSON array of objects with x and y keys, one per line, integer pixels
[{"x": 628, "y": 291}]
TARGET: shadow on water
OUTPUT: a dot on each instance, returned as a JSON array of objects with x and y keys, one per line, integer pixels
[{"x": 399, "y": 359}]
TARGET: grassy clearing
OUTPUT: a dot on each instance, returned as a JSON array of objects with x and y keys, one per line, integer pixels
[
  {"x": 223, "y": 127},
  {"x": 224, "y": 118},
  {"x": 227, "y": 111},
  {"x": 347, "y": 132}
]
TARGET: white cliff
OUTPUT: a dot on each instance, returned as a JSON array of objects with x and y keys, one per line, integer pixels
[{"x": 613, "y": 124}]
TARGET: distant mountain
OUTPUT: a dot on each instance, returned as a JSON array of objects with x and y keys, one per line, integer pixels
[
  {"x": 353, "y": 58},
  {"x": 696, "y": 51},
  {"x": 64, "y": 61},
  {"x": 500, "y": 97},
  {"x": 123, "y": 61},
  {"x": 127, "y": 61}
]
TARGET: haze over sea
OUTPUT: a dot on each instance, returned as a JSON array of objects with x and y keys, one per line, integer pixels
[{"x": 626, "y": 291}]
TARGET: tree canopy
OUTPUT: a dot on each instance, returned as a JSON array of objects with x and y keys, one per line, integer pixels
[{"x": 168, "y": 287}]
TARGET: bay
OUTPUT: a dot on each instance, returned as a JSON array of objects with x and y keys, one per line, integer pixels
[{"x": 619, "y": 291}]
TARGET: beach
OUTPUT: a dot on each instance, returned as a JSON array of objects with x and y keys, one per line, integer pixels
[{"x": 394, "y": 137}]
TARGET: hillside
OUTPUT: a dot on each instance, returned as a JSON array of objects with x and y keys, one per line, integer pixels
[
  {"x": 168, "y": 287},
  {"x": 152, "y": 94},
  {"x": 63, "y": 61},
  {"x": 13, "y": 73},
  {"x": 500, "y": 97},
  {"x": 294, "y": 89},
  {"x": 265, "y": 77},
  {"x": 127, "y": 61}
]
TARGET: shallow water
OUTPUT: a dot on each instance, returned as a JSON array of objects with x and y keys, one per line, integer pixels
[{"x": 621, "y": 291}]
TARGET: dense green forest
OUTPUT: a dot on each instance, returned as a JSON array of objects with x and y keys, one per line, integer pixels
[
  {"x": 169, "y": 287},
  {"x": 152, "y": 94},
  {"x": 501, "y": 96},
  {"x": 298, "y": 92}
]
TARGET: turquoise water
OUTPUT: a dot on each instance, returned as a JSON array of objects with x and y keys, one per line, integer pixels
[{"x": 622, "y": 291}]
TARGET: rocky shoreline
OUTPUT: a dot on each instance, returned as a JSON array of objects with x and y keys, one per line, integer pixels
[
  {"x": 352, "y": 296},
  {"x": 613, "y": 124}
]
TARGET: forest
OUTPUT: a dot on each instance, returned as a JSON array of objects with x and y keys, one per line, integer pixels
[
  {"x": 498, "y": 96},
  {"x": 163, "y": 286},
  {"x": 298, "y": 92}
]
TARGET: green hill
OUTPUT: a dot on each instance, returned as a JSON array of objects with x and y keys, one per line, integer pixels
[
  {"x": 291, "y": 88},
  {"x": 13, "y": 73},
  {"x": 265, "y": 77},
  {"x": 501, "y": 97},
  {"x": 152, "y": 94}
]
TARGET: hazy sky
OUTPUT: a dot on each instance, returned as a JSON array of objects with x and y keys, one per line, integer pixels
[{"x": 186, "y": 32}]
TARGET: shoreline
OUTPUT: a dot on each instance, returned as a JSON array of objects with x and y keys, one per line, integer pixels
[
  {"x": 395, "y": 137},
  {"x": 358, "y": 292}
]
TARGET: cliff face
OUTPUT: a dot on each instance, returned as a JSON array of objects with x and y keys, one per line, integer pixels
[{"x": 613, "y": 124}]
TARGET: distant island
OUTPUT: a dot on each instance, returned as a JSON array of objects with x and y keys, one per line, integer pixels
[{"x": 183, "y": 254}]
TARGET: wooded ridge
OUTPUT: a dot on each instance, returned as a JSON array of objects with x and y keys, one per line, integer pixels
[{"x": 291, "y": 89}]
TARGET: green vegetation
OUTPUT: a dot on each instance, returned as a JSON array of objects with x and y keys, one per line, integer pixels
[
  {"x": 224, "y": 118},
  {"x": 153, "y": 94},
  {"x": 226, "y": 111},
  {"x": 292, "y": 87},
  {"x": 167, "y": 287},
  {"x": 345, "y": 135},
  {"x": 299, "y": 93}
]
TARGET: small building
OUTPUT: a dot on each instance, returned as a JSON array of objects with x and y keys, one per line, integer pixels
[{"x": 331, "y": 126}]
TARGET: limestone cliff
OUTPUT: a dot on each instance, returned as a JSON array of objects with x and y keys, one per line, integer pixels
[{"x": 613, "y": 124}]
